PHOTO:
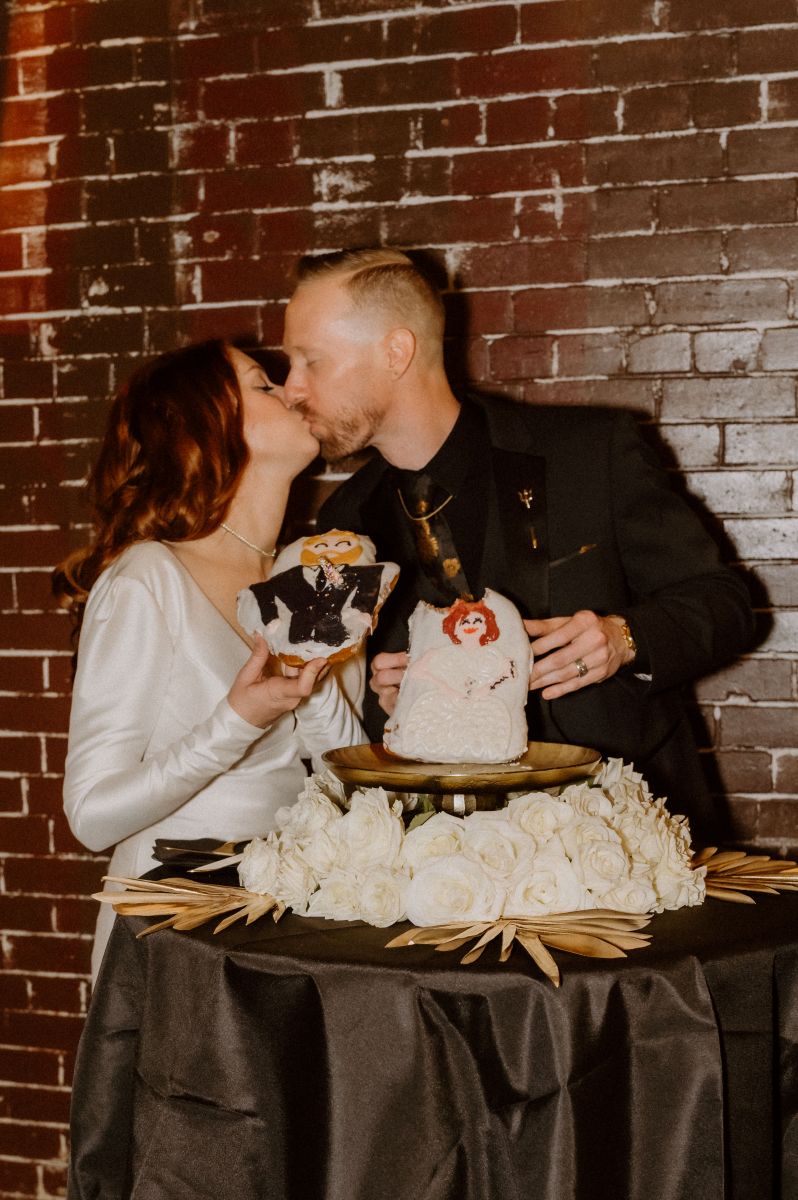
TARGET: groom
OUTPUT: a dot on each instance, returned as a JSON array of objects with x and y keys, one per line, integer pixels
[{"x": 564, "y": 510}]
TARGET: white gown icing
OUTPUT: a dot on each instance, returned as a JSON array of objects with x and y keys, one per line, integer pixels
[
  {"x": 463, "y": 695},
  {"x": 155, "y": 750}
]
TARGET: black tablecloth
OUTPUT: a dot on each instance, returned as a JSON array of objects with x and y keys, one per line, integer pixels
[{"x": 303, "y": 1060}]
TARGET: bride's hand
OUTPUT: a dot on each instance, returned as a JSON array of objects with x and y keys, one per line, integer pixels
[{"x": 260, "y": 697}]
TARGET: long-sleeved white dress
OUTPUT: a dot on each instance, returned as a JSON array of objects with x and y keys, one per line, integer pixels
[{"x": 155, "y": 749}]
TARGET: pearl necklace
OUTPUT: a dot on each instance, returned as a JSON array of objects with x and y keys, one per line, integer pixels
[{"x": 247, "y": 542}]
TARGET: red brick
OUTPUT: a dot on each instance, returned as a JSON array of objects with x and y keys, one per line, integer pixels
[
  {"x": 659, "y": 352},
  {"x": 520, "y": 357},
  {"x": 116, "y": 19},
  {"x": 524, "y": 120},
  {"x": 133, "y": 148},
  {"x": 140, "y": 196},
  {"x": 482, "y": 312},
  {"x": 34, "y": 714},
  {"x": 778, "y": 818},
  {"x": 35, "y": 1104},
  {"x": 554, "y": 215},
  {"x": 239, "y": 279},
  {"x": 460, "y": 30},
  {"x": 664, "y": 58},
  {"x": 258, "y": 188},
  {"x": 760, "y": 249},
  {"x": 726, "y": 351},
  {"x": 32, "y": 914},
  {"x": 732, "y": 202},
  {"x": 342, "y": 182},
  {"x": 762, "y": 442},
  {"x": 523, "y": 263},
  {"x": 10, "y": 251},
  {"x": 257, "y": 142},
  {"x": 585, "y": 114},
  {"x": 24, "y": 835},
  {"x": 539, "y": 309},
  {"x": 687, "y": 15},
  {"x": 137, "y": 106},
  {"x": 30, "y": 1064},
  {"x": 20, "y": 674},
  {"x": 571, "y": 19},
  {"x": 24, "y": 164},
  {"x": 342, "y": 228},
  {"x": 55, "y": 749},
  {"x": 655, "y": 256},
  {"x": 590, "y": 354},
  {"x": 30, "y": 1141},
  {"x": 762, "y": 51},
  {"x": 44, "y": 952},
  {"x": 724, "y": 104},
  {"x": 95, "y": 244},
  {"x": 16, "y": 423},
  {"x": 522, "y": 71},
  {"x": 69, "y": 67},
  {"x": 782, "y": 99},
  {"x": 712, "y": 301},
  {"x": 487, "y": 219},
  {"x": 50, "y": 993},
  {"x": 20, "y": 753},
  {"x": 77, "y": 876},
  {"x": 690, "y": 156},
  {"x": 320, "y": 135},
  {"x": 454, "y": 125},
  {"x": 289, "y": 44},
  {"x": 33, "y": 30},
  {"x": 651, "y": 109},
  {"x": 95, "y": 335},
  {"x": 18, "y": 1178},
  {"x": 762, "y": 150},
  {"x": 154, "y": 60},
  {"x": 215, "y": 54},
  {"x": 263, "y": 95},
  {"x": 41, "y": 117}
]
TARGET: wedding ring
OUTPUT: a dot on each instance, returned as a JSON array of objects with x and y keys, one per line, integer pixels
[{"x": 581, "y": 667}]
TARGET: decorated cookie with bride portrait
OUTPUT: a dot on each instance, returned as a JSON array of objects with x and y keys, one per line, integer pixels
[
  {"x": 463, "y": 696},
  {"x": 321, "y": 599}
]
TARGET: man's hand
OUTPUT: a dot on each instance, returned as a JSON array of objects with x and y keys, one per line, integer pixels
[
  {"x": 575, "y": 652},
  {"x": 386, "y": 675}
]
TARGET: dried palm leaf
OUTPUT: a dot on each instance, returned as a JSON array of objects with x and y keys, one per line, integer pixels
[
  {"x": 730, "y": 874},
  {"x": 186, "y": 903},
  {"x": 597, "y": 933}
]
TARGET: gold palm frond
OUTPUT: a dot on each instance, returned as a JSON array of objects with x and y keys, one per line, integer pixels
[
  {"x": 187, "y": 904},
  {"x": 733, "y": 873},
  {"x": 596, "y": 933}
]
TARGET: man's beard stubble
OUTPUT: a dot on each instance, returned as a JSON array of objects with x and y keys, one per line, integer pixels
[{"x": 350, "y": 434}]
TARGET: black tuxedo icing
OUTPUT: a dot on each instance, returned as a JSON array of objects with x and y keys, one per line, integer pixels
[
  {"x": 316, "y": 607},
  {"x": 603, "y": 530}
]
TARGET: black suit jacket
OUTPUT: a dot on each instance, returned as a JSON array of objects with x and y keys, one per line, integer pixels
[{"x": 594, "y": 482}]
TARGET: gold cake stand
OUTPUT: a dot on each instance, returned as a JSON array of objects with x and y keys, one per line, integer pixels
[{"x": 462, "y": 787}]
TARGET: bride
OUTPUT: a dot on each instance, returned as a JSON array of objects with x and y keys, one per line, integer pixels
[{"x": 180, "y": 726}]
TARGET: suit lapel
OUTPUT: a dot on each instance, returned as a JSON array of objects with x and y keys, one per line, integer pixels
[{"x": 518, "y": 523}]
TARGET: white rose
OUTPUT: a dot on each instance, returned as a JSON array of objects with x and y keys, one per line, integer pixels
[
  {"x": 633, "y": 896},
  {"x": 540, "y": 815},
  {"x": 296, "y": 880},
  {"x": 311, "y": 812},
  {"x": 453, "y": 889},
  {"x": 439, "y": 836},
  {"x": 550, "y": 885},
  {"x": 321, "y": 852},
  {"x": 382, "y": 897},
  {"x": 338, "y": 898},
  {"x": 597, "y": 854},
  {"x": 498, "y": 845},
  {"x": 683, "y": 890},
  {"x": 370, "y": 834},
  {"x": 675, "y": 881},
  {"x": 260, "y": 865},
  {"x": 587, "y": 801}
]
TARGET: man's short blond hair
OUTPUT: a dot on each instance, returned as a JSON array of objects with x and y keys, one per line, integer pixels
[{"x": 382, "y": 279}]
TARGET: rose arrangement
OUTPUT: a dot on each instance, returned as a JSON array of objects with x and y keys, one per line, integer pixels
[{"x": 603, "y": 843}]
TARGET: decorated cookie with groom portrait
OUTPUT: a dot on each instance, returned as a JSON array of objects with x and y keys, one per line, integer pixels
[{"x": 564, "y": 510}]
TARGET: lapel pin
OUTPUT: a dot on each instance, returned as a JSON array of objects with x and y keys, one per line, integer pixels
[{"x": 526, "y": 496}]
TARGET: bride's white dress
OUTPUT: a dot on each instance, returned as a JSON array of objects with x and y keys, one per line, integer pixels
[{"x": 155, "y": 750}]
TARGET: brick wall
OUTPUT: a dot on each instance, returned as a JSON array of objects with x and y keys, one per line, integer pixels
[{"x": 610, "y": 186}]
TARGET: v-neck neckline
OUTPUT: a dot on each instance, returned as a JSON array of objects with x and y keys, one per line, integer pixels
[{"x": 189, "y": 575}]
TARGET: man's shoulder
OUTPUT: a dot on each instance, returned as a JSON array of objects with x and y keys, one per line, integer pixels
[{"x": 515, "y": 425}]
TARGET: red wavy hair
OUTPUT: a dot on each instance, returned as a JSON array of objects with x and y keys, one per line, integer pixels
[
  {"x": 169, "y": 465},
  {"x": 462, "y": 608}
]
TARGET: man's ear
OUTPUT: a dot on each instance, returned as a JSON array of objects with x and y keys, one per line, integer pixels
[{"x": 400, "y": 350}]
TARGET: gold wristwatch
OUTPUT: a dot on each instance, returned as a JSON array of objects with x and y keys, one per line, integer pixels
[{"x": 627, "y": 637}]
